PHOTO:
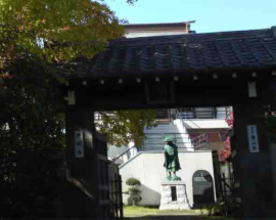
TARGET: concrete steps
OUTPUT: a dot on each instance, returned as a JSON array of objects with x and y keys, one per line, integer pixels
[{"x": 155, "y": 135}]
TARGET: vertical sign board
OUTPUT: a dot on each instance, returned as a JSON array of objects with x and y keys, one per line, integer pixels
[
  {"x": 252, "y": 90},
  {"x": 79, "y": 148},
  {"x": 252, "y": 135}
]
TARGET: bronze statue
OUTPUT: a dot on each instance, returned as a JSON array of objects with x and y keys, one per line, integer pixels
[{"x": 171, "y": 159}]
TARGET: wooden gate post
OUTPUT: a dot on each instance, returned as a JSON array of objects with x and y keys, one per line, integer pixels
[
  {"x": 80, "y": 195},
  {"x": 251, "y": 159}
]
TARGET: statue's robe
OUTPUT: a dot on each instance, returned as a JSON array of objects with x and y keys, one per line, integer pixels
[{"x": 171, "y": 158}]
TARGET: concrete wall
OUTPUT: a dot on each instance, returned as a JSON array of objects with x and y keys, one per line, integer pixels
[{"x": 148, "y": 168}]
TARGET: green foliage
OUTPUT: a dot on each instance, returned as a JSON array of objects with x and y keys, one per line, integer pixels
[
  {"x": 217, "y": 209},
  {"x": 34, "y": 35},
  {"x": 56, "y": 30},
  {"x": 31, "y": 107},
  {"x": 31, "y": 121},
  {"x": 224, "y": 208},
  {"x": 50, "y": 30},
  {"x": 31, "y": 34},
  {"x": 133, "y": 191},
  {"x": 125, "y": 126},
  {"x": 31, "y": 184}
]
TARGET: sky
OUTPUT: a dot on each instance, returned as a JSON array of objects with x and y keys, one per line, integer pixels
[{"x": 210, "y": 15}]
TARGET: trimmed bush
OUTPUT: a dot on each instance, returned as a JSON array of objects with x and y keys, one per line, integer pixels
[
  {"x": 133, "y": 182},
  {"x": 133, "y": 191}
]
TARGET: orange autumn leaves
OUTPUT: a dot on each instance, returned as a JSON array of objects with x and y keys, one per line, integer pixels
[{"x": 67, "y": 28}]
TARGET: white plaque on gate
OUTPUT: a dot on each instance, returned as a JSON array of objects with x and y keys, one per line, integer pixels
[{"x": 253, "y": 141}]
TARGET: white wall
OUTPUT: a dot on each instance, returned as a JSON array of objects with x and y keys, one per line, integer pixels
[
  {"x": 148, "y": 31},
  {"x": 148, "y": 168}
]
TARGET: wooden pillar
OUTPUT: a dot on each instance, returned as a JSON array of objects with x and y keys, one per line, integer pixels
[
  {"x": 120, "y": 195},
  {"x": 80, "y": 196},
  {"x": 251, "y": 159}
]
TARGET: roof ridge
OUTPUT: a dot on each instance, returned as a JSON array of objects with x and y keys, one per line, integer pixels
[{"x": 193, "y": 38}]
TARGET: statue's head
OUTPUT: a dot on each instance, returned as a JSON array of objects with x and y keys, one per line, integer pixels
[{"x": 168, "y": 139}]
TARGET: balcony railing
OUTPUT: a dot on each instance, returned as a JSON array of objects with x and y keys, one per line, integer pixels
[
  {"x": 202, "y": 113},
  {"x": 154, "y": 141}
]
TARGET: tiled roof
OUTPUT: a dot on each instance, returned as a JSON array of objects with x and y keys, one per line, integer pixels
[{"x": 186, "y": 54}]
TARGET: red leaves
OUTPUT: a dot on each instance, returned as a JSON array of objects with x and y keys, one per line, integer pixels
[
  {"x": 225, "y": 153},
  {"x": 230, "y": 120}
]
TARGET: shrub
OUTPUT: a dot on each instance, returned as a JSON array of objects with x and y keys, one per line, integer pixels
[
  {"x": 133, "y": 182},
  {"x": 225, "y": 208},
  {"x": 133, "y": 191}
]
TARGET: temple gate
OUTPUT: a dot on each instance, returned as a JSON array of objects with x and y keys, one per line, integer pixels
[{"x": 218, "y": 69}]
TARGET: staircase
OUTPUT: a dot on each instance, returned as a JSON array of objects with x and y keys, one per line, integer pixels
[
  {"x": 155, "y": 135},
  {"x": 154, "y": 140}
]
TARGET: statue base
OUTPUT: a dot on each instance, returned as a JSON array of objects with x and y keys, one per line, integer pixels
[{"x": 173, "y": 195}]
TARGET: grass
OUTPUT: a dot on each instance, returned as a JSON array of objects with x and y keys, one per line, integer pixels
[
  {"x": 140, "y": 211},
  {"x": 137, "y": 211}
]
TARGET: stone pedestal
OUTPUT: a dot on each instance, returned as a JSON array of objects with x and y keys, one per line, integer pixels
[{"x": 173, "y": 195}]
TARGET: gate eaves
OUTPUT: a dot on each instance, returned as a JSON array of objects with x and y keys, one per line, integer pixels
[{"x": 180, "y": 70}]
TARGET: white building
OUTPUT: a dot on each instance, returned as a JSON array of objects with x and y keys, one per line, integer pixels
[{"x": 161, "y": 29}]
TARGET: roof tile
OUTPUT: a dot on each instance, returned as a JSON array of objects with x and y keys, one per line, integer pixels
[{"x": 185, "y": 54}]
